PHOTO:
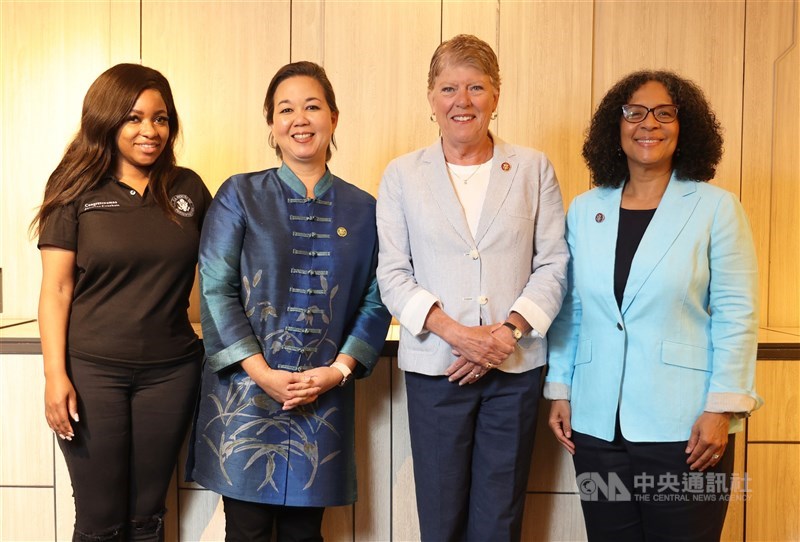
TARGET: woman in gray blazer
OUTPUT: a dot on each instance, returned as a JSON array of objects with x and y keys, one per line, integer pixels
[{"x": 473, "y": 264}]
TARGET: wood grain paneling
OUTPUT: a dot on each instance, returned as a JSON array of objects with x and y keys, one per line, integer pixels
[
  {"x": 405, "y": 523},
  {"x": 26, "y": 455},
  {"x": 26, "y": 514},
  {"x": 374, "y": 454},
  {"x": 381, "y": 90},
  {"x": 64, "y": 502},
  {"x": 770, "y": 166},
  {"x": 202, "y": 516},
  {"x": 553, "y": 517},
  {"x": 50, "y": 53},
  {"x": 700, "y": 40},
  {"x": 733, "y": 530},
  {"x": 552, "y": 469},
  {"x": 546, "y": 102},
  {"x": 779, "y": 418},
  {"x": 219, "y": 60},
  {"x": 774, "y": 479},
  {"x": 481, "y": 18}
]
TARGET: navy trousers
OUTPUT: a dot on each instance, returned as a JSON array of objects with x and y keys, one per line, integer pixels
[
  {"x": 645, "y": 492},
  {"x": 472, "y": 448}
]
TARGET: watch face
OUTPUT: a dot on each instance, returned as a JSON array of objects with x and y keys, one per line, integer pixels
[{"x": 517, "y": 334}]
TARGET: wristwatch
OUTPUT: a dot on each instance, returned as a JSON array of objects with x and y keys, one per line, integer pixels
[
  {"x": 347, "y": 374},
  {"x": 514, "y": 330}
]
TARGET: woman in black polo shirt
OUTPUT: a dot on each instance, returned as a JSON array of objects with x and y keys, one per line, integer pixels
[{"x": 119, "y": 231}]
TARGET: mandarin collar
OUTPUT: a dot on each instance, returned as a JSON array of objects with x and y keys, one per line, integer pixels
[{"x": 287, "y": 176}]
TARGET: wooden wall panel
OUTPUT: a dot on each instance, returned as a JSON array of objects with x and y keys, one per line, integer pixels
[
  {"x": 552, "y": 469},
  {"x": 405, "y": 523},
  {"x": 308, "y": 32},
  {"x": 480, "y": 19},
  {"x": 381, "y": 91},
  {"x": 219, "y": 60},
  {"x": 553, "y": 517},
  {"x": 770, "y": 167},
  {"x": 546, "y": 62},
  {"x": 373, "y": 511},
  {"x": 733, "y": 530},
  {"x": 774, "y": 479},
  {"x": 700, "y": 40},
  {"x": 202, "y": 516},
  {"x": 26, "y": 514},
  {"x": 50, "y": 53},
  {"x": 26, "y": 459},
  {"x": 779, "y": 418}
]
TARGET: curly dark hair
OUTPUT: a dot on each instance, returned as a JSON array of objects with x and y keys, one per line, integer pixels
[{"x": 699, "y": 141}]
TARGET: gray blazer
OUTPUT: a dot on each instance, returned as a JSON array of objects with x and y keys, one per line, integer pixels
[{"x": 517, "y": 260}]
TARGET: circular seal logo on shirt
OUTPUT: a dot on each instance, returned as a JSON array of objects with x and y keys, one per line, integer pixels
[
  {"x": 183, "y": 205},
  {"x": 341, "y": 231}
]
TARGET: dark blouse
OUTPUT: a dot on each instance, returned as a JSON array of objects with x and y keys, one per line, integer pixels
[{"x": 632, "y": 225}]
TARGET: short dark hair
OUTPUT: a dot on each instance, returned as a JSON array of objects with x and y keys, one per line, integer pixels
[
  {"x": 297, "y": 69},
  {"x": 699, "y": 140}
]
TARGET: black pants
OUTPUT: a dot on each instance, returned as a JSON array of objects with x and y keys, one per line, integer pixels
[
  {"x": 472, "y": 448},
  {"x": 253, "y": 522},
  {"x": 132, "y": 424},
  {"x": 644, "y": 491}
]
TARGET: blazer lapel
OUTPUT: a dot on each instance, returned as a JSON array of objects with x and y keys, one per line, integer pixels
[
  {"x": 601, "y": 240},
  {"x": 444, "y": 195},
  {"x": 673, "y": 212},
  {"x": 499, "y": 185}
]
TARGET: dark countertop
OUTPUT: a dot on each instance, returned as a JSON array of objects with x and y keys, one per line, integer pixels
[{"x": 21, "y": 336}]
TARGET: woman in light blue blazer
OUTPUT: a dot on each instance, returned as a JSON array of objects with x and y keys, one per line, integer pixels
[
  {"x": 472, "y": 262},
  {"x": 652, "y": 357}
]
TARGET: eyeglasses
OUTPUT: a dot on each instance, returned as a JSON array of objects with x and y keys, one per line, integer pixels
[{"x": 664, "y": 114}]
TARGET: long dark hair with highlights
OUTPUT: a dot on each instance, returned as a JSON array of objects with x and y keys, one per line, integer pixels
[
  {"x": 90, "y": 157},
  {"x": 699, "y": 140}
]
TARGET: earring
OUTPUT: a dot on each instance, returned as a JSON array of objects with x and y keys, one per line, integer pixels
[
  {"x": 433, "y": 117},
  {"x": 677, "y": 152},
  {"x": 494, "y": 115},
  {"x": 619, "y": 152}
]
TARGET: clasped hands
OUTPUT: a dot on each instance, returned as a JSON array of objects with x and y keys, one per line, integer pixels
[
  {"x": 291, "y": 389},
  {"x": 479, "y": 349}
]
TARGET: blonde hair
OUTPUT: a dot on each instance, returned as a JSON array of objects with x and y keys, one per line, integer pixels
[{"x": 465, "y": 49}]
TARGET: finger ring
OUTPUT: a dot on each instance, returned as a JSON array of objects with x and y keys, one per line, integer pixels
[
  {"x": 489, "y": 365},
  {"x": 477, "y": 375},
  {"x": 715, "y": 456}
]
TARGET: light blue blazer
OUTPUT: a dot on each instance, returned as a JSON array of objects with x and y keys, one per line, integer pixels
[
  {"x": 685, "y": 338},
  {"x": 517, "y": 259}
]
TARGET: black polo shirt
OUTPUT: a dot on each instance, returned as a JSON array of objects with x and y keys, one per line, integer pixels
[{"x": 135, "y": 270}]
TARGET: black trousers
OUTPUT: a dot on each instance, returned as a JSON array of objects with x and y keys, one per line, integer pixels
[
  {"x": 644, "y": 491},
  {"x": 472, "y": 448},
  {"x": 126, "y": 444},
  {"x": 254, "y": 522}
]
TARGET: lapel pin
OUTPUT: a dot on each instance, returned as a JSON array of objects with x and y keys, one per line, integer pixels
[
  {"x": 341, "y": 231},
  {"x": 505, "y": 166},
  {"x": 599, "y": 217}
]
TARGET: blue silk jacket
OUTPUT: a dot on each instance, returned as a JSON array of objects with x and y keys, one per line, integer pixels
[{"x": 294, "y": 278}]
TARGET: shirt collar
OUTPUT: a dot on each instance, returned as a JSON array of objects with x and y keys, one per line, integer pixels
[{"x": 287, "y": 176}]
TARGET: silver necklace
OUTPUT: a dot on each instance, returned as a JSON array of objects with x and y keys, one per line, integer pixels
[{"x": 458, "y": 177}]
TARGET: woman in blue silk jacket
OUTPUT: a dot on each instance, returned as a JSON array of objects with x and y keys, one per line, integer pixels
[
  {"x": 290, "y": 312},
  {"x": 652, "y": 358}
]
